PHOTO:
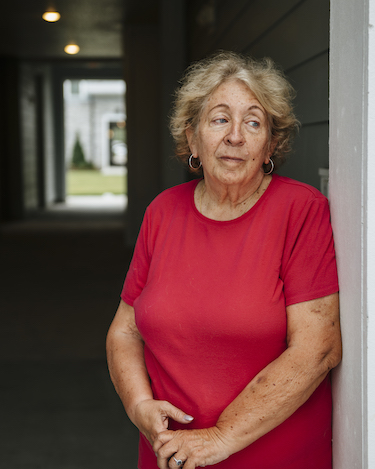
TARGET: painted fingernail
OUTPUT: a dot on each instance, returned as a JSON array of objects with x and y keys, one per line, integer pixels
[{"x": 189, "y": 418}]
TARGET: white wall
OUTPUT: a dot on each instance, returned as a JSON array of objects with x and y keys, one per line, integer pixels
[
  {"x": 352, "y": 193},
  {"x": 370, "y": 172}
]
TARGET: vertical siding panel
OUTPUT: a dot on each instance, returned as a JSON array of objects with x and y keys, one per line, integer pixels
[
  {"x": 311, "y": 83},
  {"x": 310, "y": 153},
  {"x": 303, "y": 34},
  {"x": 234, "y": 25}
]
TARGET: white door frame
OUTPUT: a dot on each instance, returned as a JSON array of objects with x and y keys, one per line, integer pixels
[
  {"x": 352, "y": 197},
  {"x": 107, "y": 118}
]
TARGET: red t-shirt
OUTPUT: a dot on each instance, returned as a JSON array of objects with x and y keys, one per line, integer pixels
[{"x": 210, "y": 298}]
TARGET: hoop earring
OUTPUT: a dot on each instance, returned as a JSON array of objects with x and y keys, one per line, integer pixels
[
  {"x": 190, "y": 163},
  {"x": 272, "y": 167}
]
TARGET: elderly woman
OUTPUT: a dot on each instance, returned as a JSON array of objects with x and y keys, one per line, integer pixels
[{"x": 228, "y": 324}]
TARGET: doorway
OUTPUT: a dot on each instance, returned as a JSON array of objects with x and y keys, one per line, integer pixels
[{"x": 95, "y": 142}]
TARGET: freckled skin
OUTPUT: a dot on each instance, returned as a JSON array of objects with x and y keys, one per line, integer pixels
[{"x": 272, "y": 396}]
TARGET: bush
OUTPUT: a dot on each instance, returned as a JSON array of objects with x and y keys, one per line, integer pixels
[{"x": 78, "y": 159}]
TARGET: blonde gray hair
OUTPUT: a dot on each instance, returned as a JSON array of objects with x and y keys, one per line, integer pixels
[{"x": 263, "y": 78}]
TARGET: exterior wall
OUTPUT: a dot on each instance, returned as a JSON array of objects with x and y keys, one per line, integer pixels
[{"x": 295, "y": 34}]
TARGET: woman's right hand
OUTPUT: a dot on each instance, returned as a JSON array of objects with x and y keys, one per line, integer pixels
[
  {"x": 152, "y": 417},
  {"x": 125, "y": 352}
]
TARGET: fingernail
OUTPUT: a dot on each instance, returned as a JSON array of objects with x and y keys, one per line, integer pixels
[{"x": 189, "y": 418}]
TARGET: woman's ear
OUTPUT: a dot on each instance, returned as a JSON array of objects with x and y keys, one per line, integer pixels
[
  {"x": 190, "y": 138},
  {"x": 271, "y": 149}
]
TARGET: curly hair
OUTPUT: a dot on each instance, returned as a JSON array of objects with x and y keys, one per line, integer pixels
[{"x": 263, "y": 78}]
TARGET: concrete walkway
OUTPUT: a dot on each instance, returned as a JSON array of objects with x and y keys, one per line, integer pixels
[{"x": 61, "y": 275}]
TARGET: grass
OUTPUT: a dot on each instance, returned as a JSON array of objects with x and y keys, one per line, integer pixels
[{"x": 93, "y": 182}]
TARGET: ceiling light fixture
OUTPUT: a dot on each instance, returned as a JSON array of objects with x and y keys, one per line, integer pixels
[
  {"x": 51, "y": 16},
  {"x": 71, "y": 49}
]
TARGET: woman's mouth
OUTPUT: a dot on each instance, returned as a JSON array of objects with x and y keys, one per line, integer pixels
[{"x": 231, "y": 159}]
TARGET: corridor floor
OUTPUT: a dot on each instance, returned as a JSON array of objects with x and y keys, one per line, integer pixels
[{"x": 61, "y": 275}]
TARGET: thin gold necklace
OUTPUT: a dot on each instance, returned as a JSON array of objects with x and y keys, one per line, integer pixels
[
  {"x": 201, "y": 197},
  {"x": 243, "y": 203}
]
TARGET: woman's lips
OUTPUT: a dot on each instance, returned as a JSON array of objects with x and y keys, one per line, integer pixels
[{"x": 231, "y": 159}]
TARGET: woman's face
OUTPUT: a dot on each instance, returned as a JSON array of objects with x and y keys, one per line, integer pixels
[{"x": 232, "y": 139}]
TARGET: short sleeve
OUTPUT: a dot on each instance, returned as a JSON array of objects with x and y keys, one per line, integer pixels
[
  {"x": 309, "y": 268},
  {"x": 136, "y": 276}
]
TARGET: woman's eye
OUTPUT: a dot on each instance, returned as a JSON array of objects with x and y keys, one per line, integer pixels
[
  {"x": 254, "y": 124},
  {"x": 220, "y": 120}
]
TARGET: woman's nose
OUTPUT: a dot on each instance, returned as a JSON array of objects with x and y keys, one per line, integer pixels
[{"x": 235, "y": 136}]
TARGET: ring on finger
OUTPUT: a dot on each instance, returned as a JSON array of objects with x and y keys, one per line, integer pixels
[{"x": 178, "y": 462}]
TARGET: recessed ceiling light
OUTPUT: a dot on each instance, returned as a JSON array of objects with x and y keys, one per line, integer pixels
[
  {"x": 71, "y": 49},
  {"x": 51, "y": 16}
]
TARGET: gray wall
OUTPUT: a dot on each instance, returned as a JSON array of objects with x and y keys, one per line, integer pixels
[
  {"x": 295, "y": 34},
  {"x": 11, "y": 183},
  {"x": 29, "y": 136},
  {"x": 26, "y": 139},
  {"x": 154, "y": 61},
  {"x": 27, "y": 154},
  {"x": 37, "y": 135},
  {"x": 48, "y": 136},
  {"x": 143, "y": 116}
]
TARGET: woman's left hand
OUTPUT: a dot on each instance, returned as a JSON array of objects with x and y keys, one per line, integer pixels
[{"x": 195, "y": 448}]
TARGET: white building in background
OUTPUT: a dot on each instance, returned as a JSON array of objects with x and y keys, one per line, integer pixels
[{"x": 94, "y": 110}]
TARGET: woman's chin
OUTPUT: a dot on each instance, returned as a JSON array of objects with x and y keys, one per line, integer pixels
[{"x": 234, "y": 177}]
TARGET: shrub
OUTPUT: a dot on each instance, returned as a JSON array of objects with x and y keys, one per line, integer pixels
[{"x": 78, "y": 159}]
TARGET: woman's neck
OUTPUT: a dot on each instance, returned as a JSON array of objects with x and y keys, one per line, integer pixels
[{"x": 222, "y": 203}]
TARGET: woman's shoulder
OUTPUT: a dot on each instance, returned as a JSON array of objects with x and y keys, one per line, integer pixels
[
  {"x": 174, "y": 196},
  {"x": 293, "y": 189}
]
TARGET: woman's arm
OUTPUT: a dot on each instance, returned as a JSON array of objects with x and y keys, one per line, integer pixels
[
  {"x": 314, "y": 348},
  {"x": 130, "y": 378}
]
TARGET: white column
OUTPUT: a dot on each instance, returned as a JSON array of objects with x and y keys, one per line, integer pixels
[
  {"x": 370, "y": 238},
  {"x": 352, "y": 195}
]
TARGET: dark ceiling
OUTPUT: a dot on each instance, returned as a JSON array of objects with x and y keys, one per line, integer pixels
[{"x": 95, "y": 25}]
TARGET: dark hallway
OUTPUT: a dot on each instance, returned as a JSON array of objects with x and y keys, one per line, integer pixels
[{"x": 61, "y": 274}]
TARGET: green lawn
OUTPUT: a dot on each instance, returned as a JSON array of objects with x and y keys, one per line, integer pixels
[{"x": 93, "y": 182}]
